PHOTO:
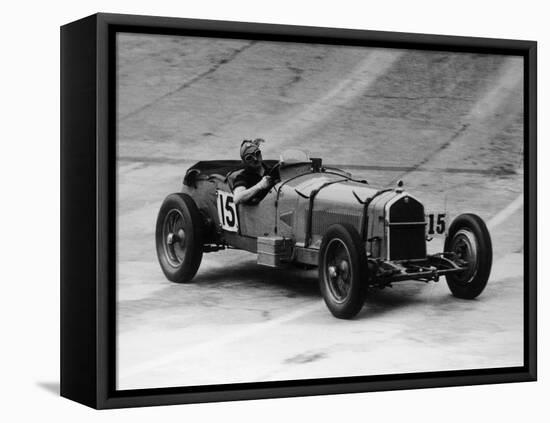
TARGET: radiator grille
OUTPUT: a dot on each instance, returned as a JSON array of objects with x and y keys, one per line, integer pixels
[
  {"x": 406, "y": 209},
  {"x": 407, "y": 242}
]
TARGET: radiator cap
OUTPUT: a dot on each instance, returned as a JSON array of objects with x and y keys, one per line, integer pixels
[{"x": 399, "y": 188}]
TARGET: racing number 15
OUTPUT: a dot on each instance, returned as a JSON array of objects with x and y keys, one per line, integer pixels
[
  {"x": 227, "y": 211},
  {"x": 436, "y": 223}
]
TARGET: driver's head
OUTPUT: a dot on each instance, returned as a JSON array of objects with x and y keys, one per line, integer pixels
[{"x": 251, "y": 154}]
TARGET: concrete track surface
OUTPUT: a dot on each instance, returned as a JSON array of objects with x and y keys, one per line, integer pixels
[{"x": 449, "y": 124}]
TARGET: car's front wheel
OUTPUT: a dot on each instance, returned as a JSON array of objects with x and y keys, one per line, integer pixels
[
  {"x": 343, "y": 271},
  {"x": 179, "y": 238},
  {"x": 470, "y": 242}
]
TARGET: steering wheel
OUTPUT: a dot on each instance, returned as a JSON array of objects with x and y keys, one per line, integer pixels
[
  {"x": 274, "y": 168},
  {"x": 273, "y": 173}
]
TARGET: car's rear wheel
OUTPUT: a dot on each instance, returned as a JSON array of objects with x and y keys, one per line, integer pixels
[
  {"x": 179, "y": 238},
  {"x": 343, "y": 271},
  {"x": 470, "y": 242}
]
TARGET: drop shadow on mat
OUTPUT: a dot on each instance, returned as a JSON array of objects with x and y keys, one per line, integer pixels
[{"x": 51, "y": 387}]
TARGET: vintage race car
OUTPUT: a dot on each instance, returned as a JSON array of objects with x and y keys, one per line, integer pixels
[{"x": 359, "y": 237}]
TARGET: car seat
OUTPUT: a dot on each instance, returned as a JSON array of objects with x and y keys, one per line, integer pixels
[{"x": 231, "y": 176}]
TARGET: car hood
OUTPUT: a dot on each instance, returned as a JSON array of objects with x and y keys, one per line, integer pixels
[{"x": 334, "y": 188}]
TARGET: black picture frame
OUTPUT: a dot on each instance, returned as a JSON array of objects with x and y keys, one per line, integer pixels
[{"x": 88, "y": 215}]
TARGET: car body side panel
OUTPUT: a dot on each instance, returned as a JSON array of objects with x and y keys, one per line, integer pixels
[
  {"x": 254, "y": 220},
  {"x": 287, "y": 211},
  {"x": 259, "y": 220},
  {"x": 376, "y": 247},
  {"x": 293, "y": 203},
  {"x": 204, "y": 194},
  {"x": 336, "y": 203}
]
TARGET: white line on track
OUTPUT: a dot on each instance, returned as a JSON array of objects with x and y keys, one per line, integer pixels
[
  {"x": 128, "y": 167},
  {"x": 505, "y": 213},
  {"x": 352, "y": 86},
  {"x": 510, "y": 77}
]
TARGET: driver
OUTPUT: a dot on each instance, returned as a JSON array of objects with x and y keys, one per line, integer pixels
[{"x": 252, "y": 183}]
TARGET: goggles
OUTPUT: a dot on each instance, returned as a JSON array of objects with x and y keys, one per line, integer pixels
[{"x": 252, "y": 157}]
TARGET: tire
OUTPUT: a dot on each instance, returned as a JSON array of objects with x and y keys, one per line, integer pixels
[
  {"x": 470, "y": 241},
  {"x": 179, "y": 238},
  {"x": 343, "y": 271}
]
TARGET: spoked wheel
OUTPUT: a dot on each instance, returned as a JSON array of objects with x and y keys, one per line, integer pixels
[
  {"x": 342, "y": 271},
  {"x": 470, "y": 242},
  {"x": 338, "y": 271},
  {"x": 179, "y": 235},
  {"x": 173, "y": 236}
]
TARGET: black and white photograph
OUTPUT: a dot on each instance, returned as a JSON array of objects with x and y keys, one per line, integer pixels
[
  {"x": 296, "y": 211},
  {"x": 275, "y": 212}
]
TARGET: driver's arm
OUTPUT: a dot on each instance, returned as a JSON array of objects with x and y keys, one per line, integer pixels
[{"x": 242, "y": 194}]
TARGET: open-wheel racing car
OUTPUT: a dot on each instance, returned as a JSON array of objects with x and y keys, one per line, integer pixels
[{"x": 359, "y": 237}]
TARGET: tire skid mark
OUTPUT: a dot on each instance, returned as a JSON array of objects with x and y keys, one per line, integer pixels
[
  {"x": 129, "y": 166},
  {"x": 190, "y": 82},
  {"x": 305, "y": 358},
  {"x": 296, "y": 78},
  {"x": 416, "y": 98},
  {"x": 426, "y": 159},
  {"x": 511, "y": 76},
  {"x": 374, "y": 65},
  {"x": 127, "y": 38},
  {"x": 246, "y": 331}
]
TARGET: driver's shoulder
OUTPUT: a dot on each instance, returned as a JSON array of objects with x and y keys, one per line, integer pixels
[{"x": 245, "y": 178}]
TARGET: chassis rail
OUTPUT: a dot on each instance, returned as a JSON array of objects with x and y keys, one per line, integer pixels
[{"x": 425, "y": 270}]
